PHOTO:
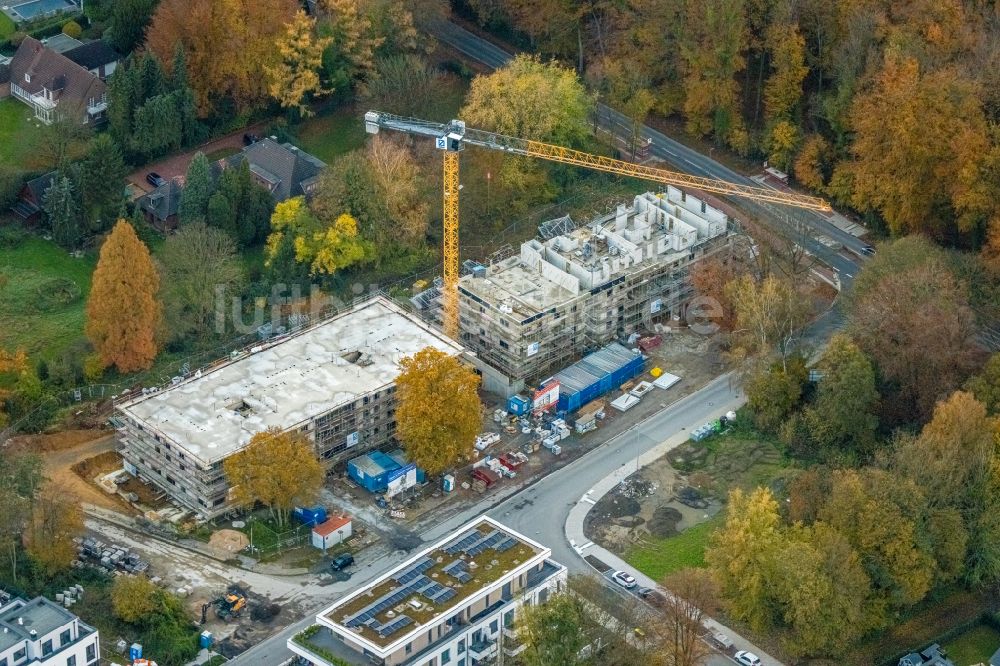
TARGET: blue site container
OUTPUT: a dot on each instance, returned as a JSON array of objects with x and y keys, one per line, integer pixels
[
  {"x": 597, "y": 374},
  {"x": 373, "y": 471},
  {"x": 518, "y": 405},
  {"x": 311, "y": 516}
]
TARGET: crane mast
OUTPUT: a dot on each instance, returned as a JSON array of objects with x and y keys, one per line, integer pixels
[{"x": 452, "y": 138}]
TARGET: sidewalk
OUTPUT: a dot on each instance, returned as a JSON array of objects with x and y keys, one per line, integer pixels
[{"x": 583, "y": 546}]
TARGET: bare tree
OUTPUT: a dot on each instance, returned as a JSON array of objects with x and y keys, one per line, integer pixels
[{"x": 693, "y": 596}]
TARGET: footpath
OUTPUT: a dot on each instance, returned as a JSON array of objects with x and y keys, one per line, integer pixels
[{"x": 578, "y": 515}]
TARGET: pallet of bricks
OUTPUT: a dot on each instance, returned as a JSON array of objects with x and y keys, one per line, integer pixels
[{"x": 94, "y": 552}]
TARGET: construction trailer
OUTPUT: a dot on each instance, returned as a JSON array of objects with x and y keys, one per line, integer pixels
[
  {"x": 578, "y": 287},
  {"x": 597, "y": 374},
  {"x": 379, "y": 472},
  {"x": 332, "y": 382}
]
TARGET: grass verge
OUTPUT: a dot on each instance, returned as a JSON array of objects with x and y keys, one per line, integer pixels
[{"x": 657, "y": 558}]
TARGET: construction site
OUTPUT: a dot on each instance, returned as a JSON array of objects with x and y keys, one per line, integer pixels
[
  {"x": 332, "y": 381},
  {"x": 579, "y": 287}
]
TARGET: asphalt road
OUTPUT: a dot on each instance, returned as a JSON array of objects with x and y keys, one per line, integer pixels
[
  {"x": 797, "y": 224},
  {"x": 540, "y": 511}
]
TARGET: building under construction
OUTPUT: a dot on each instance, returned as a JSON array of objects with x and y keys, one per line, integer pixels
[
  {"x": 333, "y": 382},
  {"x": 578, "y": 287}
]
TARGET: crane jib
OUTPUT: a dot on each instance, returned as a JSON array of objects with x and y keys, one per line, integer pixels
[{"x": 451, "y": 136}]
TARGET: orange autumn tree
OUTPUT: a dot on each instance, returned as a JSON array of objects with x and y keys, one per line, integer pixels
[
  {"x": 228, "y": 44},
  {"x": 123, "y": 313}
]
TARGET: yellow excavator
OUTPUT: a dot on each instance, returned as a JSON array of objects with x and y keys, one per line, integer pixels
[
  {"x": 451, "y": 138},
  {"x": 231, "y": 604}
]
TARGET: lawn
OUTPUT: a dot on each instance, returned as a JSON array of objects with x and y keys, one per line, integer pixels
[
  {"x": 342, "y": 130},
  {"x": 17, "y": 131},
  {"x": 332, "y": 135},
  {"x": 659, "y": 557},
  {"x": 42, "y": 294},
  {"x": 6, "y": 26},
  {"x": 974, "y": 646}
]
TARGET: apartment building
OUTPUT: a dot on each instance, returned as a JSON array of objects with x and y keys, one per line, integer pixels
[
  {"x": 452, "y": 604},
  {"x": 43, "y": 633},
  {"x": 579, "y": 287},
  {"x": 333, "y": 382}
]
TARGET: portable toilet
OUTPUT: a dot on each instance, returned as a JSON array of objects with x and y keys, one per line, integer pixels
[
  {"x": 448, "y": 483},
  {"x": 135, "y": 652},
  {"x": 205, "y": 640}
]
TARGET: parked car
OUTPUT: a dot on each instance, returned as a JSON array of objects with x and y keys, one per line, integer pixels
[
  {"x": 250, "y": 138},
  {"x": 652, "y": 595},
  {"x": 154, "y": 179},
  {"x": 342, "y": 561},
  {"x": 868, "y": 250},
  {"x": 745, "y": 658},
  {"x": 624, "y": 579}
]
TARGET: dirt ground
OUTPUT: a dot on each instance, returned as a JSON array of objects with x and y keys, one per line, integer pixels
[
  {"x": 645, "y": 505},
  {"x": 702, "y": 472},
  {"x": 64, "y": 450},
  {"x": 273, "y": 601}
]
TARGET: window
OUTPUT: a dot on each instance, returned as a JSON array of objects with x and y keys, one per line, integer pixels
[
  {"x": 409, "y": 648},
  {"x": 46, "y": 648},
  {"x": 20, "y": 654},
  {"x": 494, "y": 625},
  {"x": 64, "y": 638},
  {"x": 445, "y": 657},
  {"x": 71, "y": 660},
  {"x": 461, "y": 647},
  {"x": 27, "y": 77},
  {"x": 91, "y": 652}
]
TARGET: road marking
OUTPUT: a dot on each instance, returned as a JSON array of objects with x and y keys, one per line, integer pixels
[
  {"x": 587, "y": 545},
  {"x": 588, "y": 500}
]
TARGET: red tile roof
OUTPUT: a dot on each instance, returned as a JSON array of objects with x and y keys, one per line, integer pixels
[{"x": 332, "y": 525}]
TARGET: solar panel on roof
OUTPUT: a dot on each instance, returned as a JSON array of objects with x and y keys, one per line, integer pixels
[
  {"x": 505, "y": 545},
  {"x": 455, "y": 568},
  {"x": 463, "y": 543},
  {"x": 462, "y": 576},
  {"x": 395, "y": 625},
  {"x": 444, "y": 595},
  {"x": 485, "y": 543},
  {"x": 414, "y": 571}
]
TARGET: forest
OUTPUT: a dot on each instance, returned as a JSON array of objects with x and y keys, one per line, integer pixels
[{"x": 838, "y": 94}]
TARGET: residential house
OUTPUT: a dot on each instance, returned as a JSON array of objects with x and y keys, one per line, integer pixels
[
  {"x": 42, "y": 633},
  {"x": 161, "y": 205},
  {"x": 933, "y": 655},
  {"x": 52, "y": 85},
  {"x": 97, "y": 57},
  {"x": 281, "y": 168},
  {"x": 28, "y": 206}
]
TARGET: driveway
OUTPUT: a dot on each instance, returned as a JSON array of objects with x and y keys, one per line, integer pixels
[{"x": 176, "y": 166}]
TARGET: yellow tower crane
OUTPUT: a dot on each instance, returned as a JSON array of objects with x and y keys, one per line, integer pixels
[{"x": 452, "y": 137}]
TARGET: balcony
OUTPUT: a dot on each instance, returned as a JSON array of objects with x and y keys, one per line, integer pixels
[
  {"x": 482, "y": 649},
  {"x": 513, "y": 649}
]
